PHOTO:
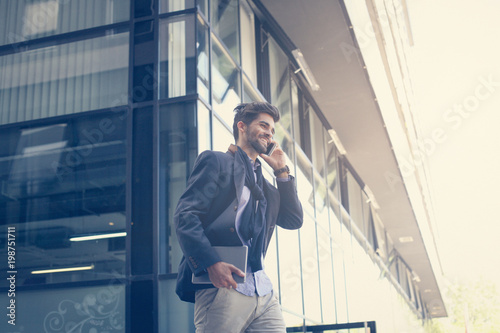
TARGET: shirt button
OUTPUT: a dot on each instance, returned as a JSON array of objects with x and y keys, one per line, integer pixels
[
  {"x": 235, "y": 207},
  {"x": 231, "y": 229}
]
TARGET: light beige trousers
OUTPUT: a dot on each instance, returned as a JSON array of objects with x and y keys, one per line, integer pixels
[{"x": 227, "y": 311}]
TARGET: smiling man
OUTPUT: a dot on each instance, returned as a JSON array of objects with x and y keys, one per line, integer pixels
[{"x": 228, "y": 202}]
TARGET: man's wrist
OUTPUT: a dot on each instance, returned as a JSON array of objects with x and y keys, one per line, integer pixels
[{"x": 282, "y": 172}]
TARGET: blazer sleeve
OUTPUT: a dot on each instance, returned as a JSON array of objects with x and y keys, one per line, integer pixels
[
  {"x": 290, "y": 215},
  {"x": 191, "y": 210}
]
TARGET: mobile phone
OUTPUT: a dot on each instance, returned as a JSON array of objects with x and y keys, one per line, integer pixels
[{"x": 270, "y": 149}]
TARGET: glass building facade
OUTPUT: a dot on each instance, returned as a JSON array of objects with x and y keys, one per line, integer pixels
[{"x": 104, "y": 107}]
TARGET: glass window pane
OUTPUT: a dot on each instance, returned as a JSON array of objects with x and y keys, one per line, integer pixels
[
  {"x": 290, "y": 275},
  {"x": 22, "y": 20},
  {"x": 203, "y": 61},
  {"x": 177, "y": 57},
  {"x": 250, "y": 93},
  {"x": 310, "y": 273},
  {"x": 174, "y": 315},
  {"x": 204, "y": 132},
  {"x": 225, "y": 84},
  {"x": 381, "y": 239},
  {"x": 295, "y": 112},
  {"x": 286, "y": 144},
  {"x": 271, "y": 263},
  {"x": 224, "y": 21},
  {"x": 326, "y": 277},
  {"x": 222, "y": 137},
  {"x": 317, "y": 149},
  {"x": 248, "y": 51},
  {"x": 280, "y": 84},
  {"x": 63, "y": 189},
  {"x": 304, "y": 183},
  {"x": 175, "y": 5},
  {"x": 203, "y": 5},
  {"x": 320, "y": 200},
  {"x": 75, "y": 309},
  {"x": 355, "y": 202},
  {"x": 340, "y": 282},
  {"x": 64, "y": 79},
  {"x": 178, "y": 152}
]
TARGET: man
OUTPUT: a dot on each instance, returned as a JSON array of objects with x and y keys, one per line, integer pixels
[{"x": 228, "y": 202}]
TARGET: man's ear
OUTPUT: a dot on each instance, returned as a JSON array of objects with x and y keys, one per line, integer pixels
[{"x": 241, "y": 126}]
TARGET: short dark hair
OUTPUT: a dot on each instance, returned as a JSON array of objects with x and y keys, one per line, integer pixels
[{"x": 248, "y": 112}]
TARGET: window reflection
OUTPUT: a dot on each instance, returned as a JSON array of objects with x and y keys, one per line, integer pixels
[
  {"x": 290, "y": 274},
  {"x": 224, "y": 21},
  {"x": 310, "y": 269},
  {"x": 202, "y": 48},
  {"x": 22, "y": 20},
  {"x": 304, "y": 182},
  {"x": 250, "y": 93},
  {"x": 175, "y": 5},
  {"x": 222, "y": 137},
  {"x": 328, "y": 296},
  {"x": 280, "y": 83},
  {"x": 248, "y": 51},
  {"x": 355, "y": 205},
  {"x": 63, "y": 188},
  {"x": 178, "y": 150},
  {"x": 317, "y": 148},
  {"x": 225, "y": 84},
  {"x": 320, "y": 200},
  {"x": 177, "y": 57},
  {"x": 62, "y": 79},
  {"x": 295, "y": 112}
]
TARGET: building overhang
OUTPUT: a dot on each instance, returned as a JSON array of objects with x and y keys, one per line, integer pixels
[{"x": 323, "y": 32}]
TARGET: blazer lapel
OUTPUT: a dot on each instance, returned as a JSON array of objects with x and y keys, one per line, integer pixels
[{"x": 238, "y": 171}]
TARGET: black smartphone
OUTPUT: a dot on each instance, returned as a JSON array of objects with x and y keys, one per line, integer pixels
[{"x": 270, "y": 149}]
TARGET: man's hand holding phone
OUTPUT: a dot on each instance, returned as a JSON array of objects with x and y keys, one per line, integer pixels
[{"x": 275, "y": 157}]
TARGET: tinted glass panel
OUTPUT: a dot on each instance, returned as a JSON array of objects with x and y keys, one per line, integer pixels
[
  {"x": 175, "y": 5},
  {"x": 202, "y": 48},
  {"x": 250, "y": 93},
  {"x": 225, "y": 84},
  {"x": 77, "y": 309},
  {"x": 248, "y": 51},
  {"x": 295, "y": 112},
  {"x": 223, "y": 138},
  {"x": 279, "y": 81},
  {"x": 63, "y": 189},
  {"x": 177, "y": 57},
  {"x": 63, "y": 79},
  {"x": 22, "y": 20},
  {"x": 224, "y": 20},
  {"x": 178, "y": 150}
]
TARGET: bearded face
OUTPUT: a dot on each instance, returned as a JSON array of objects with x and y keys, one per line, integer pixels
[
  {"x": 258, "y": 134},
  {"x": 257, "y": 140}
]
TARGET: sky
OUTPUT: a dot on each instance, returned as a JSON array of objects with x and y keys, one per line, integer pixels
[{"x": 456, "y": 79}]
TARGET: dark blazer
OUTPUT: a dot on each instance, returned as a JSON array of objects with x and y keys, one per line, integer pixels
[{"x": 206, "y": 214}]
